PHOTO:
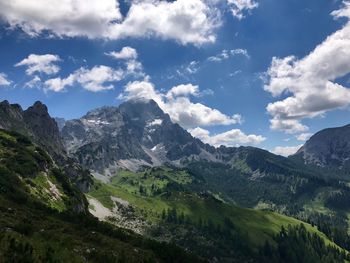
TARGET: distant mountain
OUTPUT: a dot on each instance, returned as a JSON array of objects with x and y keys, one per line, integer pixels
[
  {"x": 138, "y": 134},
  {"x": 131, "y": 136},
  {"x": 329, "y": 148},
  {"x": 160, "y": 182}
]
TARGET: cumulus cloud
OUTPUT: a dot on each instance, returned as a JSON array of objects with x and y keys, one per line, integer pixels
[
  {"x": 3, "y": 80},
  {"x": 98, "y": 78},
  {"x": 234, "y": 137},
  {"x": 186, "y": 21},
  {"x": 226, "y": 54},
  {"x": 126, "y": 53},
  {"x": 69, "y": 18},
  {"x": 309, "y": 84},
  {"x": 176, "y": 102},
  {"x": 40, "y": 64},
  {"x": 239, "y": 8},
  {"x": 129, "y": 55},
  {"x": 183, "y": 90},
  {"x": 286, "y": 151}
]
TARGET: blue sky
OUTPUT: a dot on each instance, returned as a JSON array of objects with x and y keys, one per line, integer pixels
[{"x": 209, "y": 64}]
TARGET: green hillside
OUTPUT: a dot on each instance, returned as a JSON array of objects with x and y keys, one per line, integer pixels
[
  {"x": 165, "y": 199},
  {"x": 44, "y": 217}
]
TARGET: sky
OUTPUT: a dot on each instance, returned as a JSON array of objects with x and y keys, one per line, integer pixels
[{"x": 265, "y": 73}]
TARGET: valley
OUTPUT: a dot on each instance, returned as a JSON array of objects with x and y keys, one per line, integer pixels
[{"x": 157, "y": 191}]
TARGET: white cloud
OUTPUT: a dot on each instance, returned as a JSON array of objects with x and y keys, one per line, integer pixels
[
  {"x": 3, "y": 80},
  {"x": 141, "y": 90},
  {"x": 186, "y": 21},
  {"x": 126, "y": 53},
  {"x": 178, "y": 104},
  {"x": 63, "y": 18},
  {"x": 234, "y": 137},
  {"x": 288, "y": 126},
  {"x": 189, "y": 114},
  {"x": 183, "y": 90},
  {"x": 286, "y": 151},
  {"x": 309, "y": 84},
  {"x": 98, "y": 78},
  {"x": 303, "y": 137},
  {"x": 34, "y": 82},
  {"x": 226, "y": 54},
  {"x": 240, "y": 7},
  {"x": 40, "y": 64},
  {"x": 95, "y": 79},
  {"x": 58, "y": 84},
  {"x": 129, "y": 54}
]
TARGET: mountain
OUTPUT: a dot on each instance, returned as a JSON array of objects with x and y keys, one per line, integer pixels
[
  {"x": 131, "y": 136},
  {"x": 45, "y": 218},
  {"x": 138, "y": 134},
  {"x": 329, "y": 148},
  {"x": 36, "y": 123},
  {"x": 138, "y": 138},
  {"x": 37, "y": 223},
  {"x": 166, "y": 186}
]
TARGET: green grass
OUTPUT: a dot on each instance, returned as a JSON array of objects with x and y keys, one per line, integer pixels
[
  {"x": 40, "y": 188},
  {"x": 258, "y": 225},
  {"x": 36, "y": 227},
  {"x": 39, "y": 235}
]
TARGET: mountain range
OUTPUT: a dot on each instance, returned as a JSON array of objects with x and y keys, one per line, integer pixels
[{"x": 137, "y": 171}]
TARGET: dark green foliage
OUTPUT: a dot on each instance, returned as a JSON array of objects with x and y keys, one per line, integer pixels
[
  {"x": 332, "y": 226},
  {"x": 296, "y": 244},
  {"x": 339, "y": 200},
  {"x": 15, "y": 250}
]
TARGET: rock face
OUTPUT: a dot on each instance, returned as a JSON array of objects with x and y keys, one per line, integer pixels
[
  {"x": 327, "y": 148},
  {"x": 37, "y": 124},
  {"x": 133, "y": 135}
]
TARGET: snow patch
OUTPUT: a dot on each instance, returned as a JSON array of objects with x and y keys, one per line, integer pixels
[
  {"x": 97, "y": 122},
  {"x": 155, "y": 122}
]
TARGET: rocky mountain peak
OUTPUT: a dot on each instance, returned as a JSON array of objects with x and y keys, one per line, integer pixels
[
  {"x": 38, "y": 108},
  {"x": 43, "y": 128},
  {"x": 135, "y": 134},
  {"x": 144, "y": 111},
  {"x": 327, "y": 148}
]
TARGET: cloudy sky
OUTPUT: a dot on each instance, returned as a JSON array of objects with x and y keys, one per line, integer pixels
[{"x": 266, "y": 73}]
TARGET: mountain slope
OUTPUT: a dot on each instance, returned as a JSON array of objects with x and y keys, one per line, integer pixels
[
  {"x": 44, "y": 218},
  {"x": 160, "y": 203},
  {"x": 36, "y": 123},
  {"x": 28, "y": 173},
  {"x": 329, "y": 148}
]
